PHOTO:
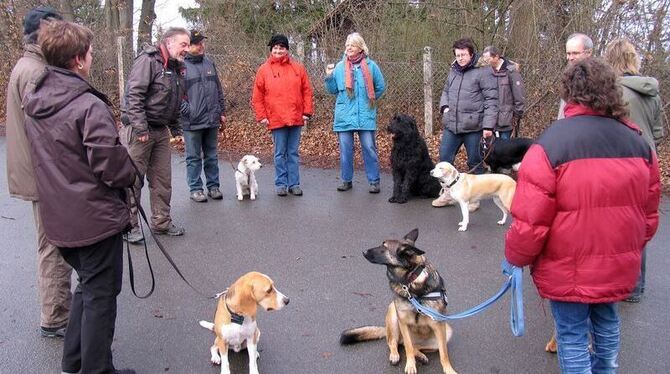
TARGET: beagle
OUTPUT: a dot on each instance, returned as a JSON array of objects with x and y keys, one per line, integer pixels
[
  {"x": 469, "y": 188},
  {"x": 235, "y": 318}
]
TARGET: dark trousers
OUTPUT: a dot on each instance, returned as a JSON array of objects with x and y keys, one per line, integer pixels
[{"x": 90, "y": 329}]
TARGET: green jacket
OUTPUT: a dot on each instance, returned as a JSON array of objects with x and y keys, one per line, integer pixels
[{"x": 641, "y": 95}]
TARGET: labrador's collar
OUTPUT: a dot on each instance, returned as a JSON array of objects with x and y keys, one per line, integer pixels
[{"x": 458, "y": 176}]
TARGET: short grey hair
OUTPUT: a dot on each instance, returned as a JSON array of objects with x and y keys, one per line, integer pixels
[
  {"x": 586, "y": 41},
  {"x": 173, "y": 31}
]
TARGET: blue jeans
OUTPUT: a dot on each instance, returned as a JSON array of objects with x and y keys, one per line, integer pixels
[
  {"x": 505, "y": 134},
  {"x": 199, "y": 145},
  {"x": 574, "y": 321},
  {"x": 452, "y": 142},
  {"x": 639, "y": 286},
  {"x": 369, "y": 150},
  {"x": 286, "y": 158}
]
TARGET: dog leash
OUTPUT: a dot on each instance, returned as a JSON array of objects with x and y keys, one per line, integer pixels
[
  {"x": 514, "y": 282},
  {"x": 131, "y": 273},
  {"x": 485, "y": 149}
]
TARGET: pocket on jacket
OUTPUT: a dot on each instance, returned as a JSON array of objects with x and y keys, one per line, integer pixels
[{"x": 470, "y": 121}]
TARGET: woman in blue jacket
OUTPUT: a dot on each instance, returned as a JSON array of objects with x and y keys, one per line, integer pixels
[{"x": 358, "y": 84}]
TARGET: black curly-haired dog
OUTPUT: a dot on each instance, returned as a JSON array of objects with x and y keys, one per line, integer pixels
[{"x": 410, "y": 162}]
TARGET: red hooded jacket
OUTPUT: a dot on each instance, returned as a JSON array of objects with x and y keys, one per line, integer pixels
[
  {"x": 586, "y": 203},
  {"x": 282, "y": 93}
]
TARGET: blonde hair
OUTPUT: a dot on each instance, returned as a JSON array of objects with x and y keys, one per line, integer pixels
[
  {"x": 621, "y": 54},
  {"x": 356, "y": 40}
]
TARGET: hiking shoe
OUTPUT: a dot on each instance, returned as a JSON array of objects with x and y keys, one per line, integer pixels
[
  {"x": 444, "y": 199},
  {"x": 281, "y": 191},
  {"x": 53, "y": 332},
  {"x": 633, "y": 299},
  {"x": 345, "y": 186},
  {"x": 215, "y": 193},
  {"x": 124, "y": 371},
  {"x": 295, "y": 191},
  {"x": 198, "y": 196},
  {"x": 134, "y": 236},
  {"x": 374, "y": 188},
  {"x": 172, "y": 230}
]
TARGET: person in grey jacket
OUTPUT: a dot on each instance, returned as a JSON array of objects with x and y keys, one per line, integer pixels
[
  {"x": 81, "y": 173},
  {"x": 202, "y": 112},
  {"x": 641, "y": 94},
  {"x": 469, "y": 107},
  {"x": 152, "y": 103},
  {"x": 511, "y": 94},
  {"x": 53, "y": 282}
]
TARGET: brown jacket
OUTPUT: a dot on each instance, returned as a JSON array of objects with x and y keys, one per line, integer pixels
[
  {"x": 154, "y": 91},
  {"x": 81, "y": 168},
  {"x": 20, "y": 172}
]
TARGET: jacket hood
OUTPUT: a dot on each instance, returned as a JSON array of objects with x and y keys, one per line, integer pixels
[
  {"x": 647, "y": 86},
  {"x": 54, "y": 89}
]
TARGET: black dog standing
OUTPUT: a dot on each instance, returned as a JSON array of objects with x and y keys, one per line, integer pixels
[{"x": 410, "y": 162}]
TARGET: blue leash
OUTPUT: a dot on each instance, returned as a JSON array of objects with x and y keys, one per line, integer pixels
[{"x": 514, "y": 282}]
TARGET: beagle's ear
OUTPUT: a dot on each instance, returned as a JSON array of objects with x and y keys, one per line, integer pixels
[
  {"x": 412, "y": 235},
  {"x": 407, "y": 250}
]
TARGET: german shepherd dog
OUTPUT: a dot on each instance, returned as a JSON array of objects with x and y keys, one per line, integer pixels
[{"x": 408, "y": 269}]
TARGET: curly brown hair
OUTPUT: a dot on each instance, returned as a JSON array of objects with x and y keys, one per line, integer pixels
[{"x": 592, "y": 82}]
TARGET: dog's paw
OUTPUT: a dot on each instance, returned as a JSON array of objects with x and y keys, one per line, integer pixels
[
  {"x": 252, "y": 197},
  {"x": 450, "y": 370},
  {"x": 401, "y": 200},
  {"x": 462, "y": 226},
  {"x": 394, "y": 359},
  {"x": 422, "y": 358},
  {"x": 393, "y": 199},
  {"x": 501, "y": 222},
  {"x": 240, "y": 197},
  {"x": 215, "y": 360},
  {"x": 410, "y": 368}
]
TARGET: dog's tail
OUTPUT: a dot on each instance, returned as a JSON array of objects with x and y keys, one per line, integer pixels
[
  {"x": 208, "y": 325},
  {"x": 362, "y": 334}
]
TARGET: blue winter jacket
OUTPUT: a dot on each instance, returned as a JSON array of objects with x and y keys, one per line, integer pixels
[
  {"x": 354, "y": 113},
  {"x": 203, "y": 105}
]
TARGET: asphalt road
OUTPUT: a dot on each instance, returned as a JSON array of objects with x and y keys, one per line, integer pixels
[{"x": 311, "y": 246}]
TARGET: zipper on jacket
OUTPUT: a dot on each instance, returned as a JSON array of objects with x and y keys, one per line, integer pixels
[{"x": 458, "y": 100}]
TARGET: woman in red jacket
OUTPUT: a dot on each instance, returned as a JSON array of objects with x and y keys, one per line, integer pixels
[
  {"x": 282, "y": 100},
  {"x": 586, "y": 203}
]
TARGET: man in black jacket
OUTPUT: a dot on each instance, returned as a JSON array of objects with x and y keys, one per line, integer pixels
[
  {"x": 152, "y": 104},
  {"x": 202, "y": 112}
]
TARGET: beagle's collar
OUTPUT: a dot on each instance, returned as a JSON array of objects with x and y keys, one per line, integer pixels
[
  {"x": 458, "y": 176},
  {"x": 234, "y": 317}
]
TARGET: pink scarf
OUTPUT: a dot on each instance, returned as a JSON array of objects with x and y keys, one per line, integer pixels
[{"x": 367, "y": 77}]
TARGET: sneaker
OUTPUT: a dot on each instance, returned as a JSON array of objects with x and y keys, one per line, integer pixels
[
  {"x": 215, "y": 193},
  {"x": 53, "y": 332},
  {"x": 633, "y": 299},
  {"x": 134, "y": 236},
  {"x": 198, "y": 196},
  {"x": 444, "y": 199},
  {"x": 281, "y": 191},
  {"x": 374, "y": 188},
  {"x": 345, "y": 186},
  {"x": 172, "y": 230},
  {"x": 295, "y": 191}
]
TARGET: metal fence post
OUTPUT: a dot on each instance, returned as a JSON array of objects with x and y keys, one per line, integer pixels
[
  {"x": 428, "y": 91},
  {"x": 119, "y": 60}
]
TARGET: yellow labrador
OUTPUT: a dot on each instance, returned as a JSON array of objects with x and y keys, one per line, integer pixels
[{"x": 470, "y": 188}]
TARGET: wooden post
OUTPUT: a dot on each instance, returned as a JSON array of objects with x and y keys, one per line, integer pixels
[
  {"x": 119, "y": 62},
  {"x": 428, "y": 91}
]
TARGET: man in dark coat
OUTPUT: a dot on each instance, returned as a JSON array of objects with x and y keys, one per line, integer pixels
[
  {"x": 152, "y": 103},
  {"x": 202, "y": 112}
]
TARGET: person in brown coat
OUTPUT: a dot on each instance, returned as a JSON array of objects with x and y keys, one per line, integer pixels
[
  {"x": 53, "y": 282},
  {"x": 81, "y": 173},
  {"x": 152, "y": 104}
]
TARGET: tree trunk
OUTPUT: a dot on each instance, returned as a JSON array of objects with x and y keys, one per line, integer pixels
[
  {"x": 147, "y": 17},
  {"x": 66, "y": 10}
]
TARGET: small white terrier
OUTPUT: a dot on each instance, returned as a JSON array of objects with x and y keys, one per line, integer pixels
[{"x": 245, "y": 177}]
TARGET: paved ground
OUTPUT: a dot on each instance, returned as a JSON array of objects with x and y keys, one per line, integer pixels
[{"x": 311, "y": 246}]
